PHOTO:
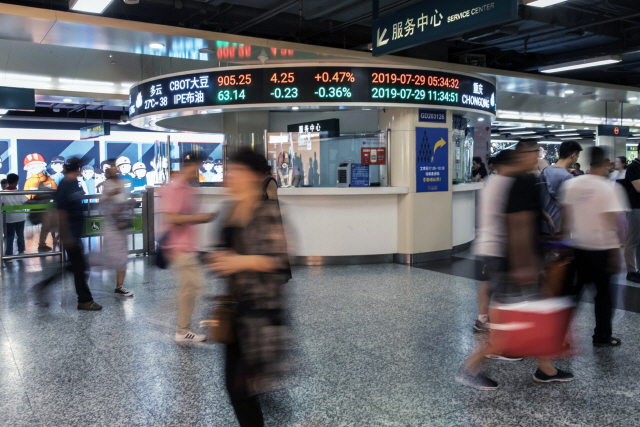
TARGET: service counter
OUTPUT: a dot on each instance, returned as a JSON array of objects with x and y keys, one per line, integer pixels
[
  {"x": 464, "y": 214},
  {"x": 347, "y": 225},
  {"x": 328, "y": 225}
]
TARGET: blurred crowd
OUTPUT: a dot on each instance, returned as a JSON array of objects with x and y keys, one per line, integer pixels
[{"x": 546, "y": 233}]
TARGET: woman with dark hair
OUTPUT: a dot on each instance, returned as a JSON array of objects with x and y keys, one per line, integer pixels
[
  {"x": 620, "y": 169},
  {"x": 256, "y": 263},
  {"x": 576, "y": 170},
  {"x": 479, "y": 171}
]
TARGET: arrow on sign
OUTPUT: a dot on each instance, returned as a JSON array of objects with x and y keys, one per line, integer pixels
[{"x": 380, "y": 37}]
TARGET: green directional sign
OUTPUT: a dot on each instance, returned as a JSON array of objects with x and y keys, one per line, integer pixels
[{"x": 433, "y": 20}]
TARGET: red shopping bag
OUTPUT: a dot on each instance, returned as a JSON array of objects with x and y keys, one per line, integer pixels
[{"x": 531, "y": 328}]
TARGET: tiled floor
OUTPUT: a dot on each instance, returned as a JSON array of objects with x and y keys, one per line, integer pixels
[{"x": 379, "y": 345}]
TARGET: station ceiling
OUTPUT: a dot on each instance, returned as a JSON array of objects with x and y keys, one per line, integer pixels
[{"x": 572, "y": 30}]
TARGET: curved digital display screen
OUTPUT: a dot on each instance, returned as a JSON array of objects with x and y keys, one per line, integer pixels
[{"x": 312, "y": 84}]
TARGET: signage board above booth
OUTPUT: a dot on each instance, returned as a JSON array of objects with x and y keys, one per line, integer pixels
[
  {"x": 434, "y": 20},
  {"x": 253, "y": 86},
  {"x": 95, "y": 131}
]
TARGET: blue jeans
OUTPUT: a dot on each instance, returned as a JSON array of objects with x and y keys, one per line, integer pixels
[{"x": 14, "y": 228}]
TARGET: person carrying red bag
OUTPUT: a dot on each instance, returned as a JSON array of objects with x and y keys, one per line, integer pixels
[{"x": 520, "y": 261}]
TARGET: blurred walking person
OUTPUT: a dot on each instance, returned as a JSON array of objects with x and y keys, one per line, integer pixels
[
  {"x": 591, "y": 206},
  {"x": 632, "y": 244},
  {"x": 553, "y": 178},
  {"x": 513, "y": 256},
  {"x": 71, "y": 219},
  {"x": 14, "y": 221},
  {"x": 116, "y": 209},
  {"x": 256, "y": 262},
  {"x": 179, "y": 206}
]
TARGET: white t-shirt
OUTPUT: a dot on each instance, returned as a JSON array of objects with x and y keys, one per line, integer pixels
[
  {"x": 15, "y": 200},
  {"x": 492, "y": 230},
  {"x": 618, "y": 174},
  {"x": 589, "y": 199}
]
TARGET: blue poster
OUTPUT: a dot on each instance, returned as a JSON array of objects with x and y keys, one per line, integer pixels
[
  {"x": 432, "y": 159},
  {"x": 359, "y": 175}
]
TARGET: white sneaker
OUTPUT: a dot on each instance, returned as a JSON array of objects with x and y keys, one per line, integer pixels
[{"x": 190, "y": 337}]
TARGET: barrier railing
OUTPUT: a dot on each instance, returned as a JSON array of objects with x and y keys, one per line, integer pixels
[{"x": 93, "y": 222}]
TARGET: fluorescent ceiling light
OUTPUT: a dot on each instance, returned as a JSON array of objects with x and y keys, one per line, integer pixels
[
  {"x": 124, "y": 84},
  {"x": 481, "y": 119},
  {"x": 26, "y": 77},
  {"x": 544, "y": 3},
  {"x": 495, "y": 134},
  {"x": 554, "y": 118},
  {"x": 570, "y": 139},
  {"x": 593, "y": 121},
  {"x": 67, "y": 100},
  {"x": 568, "y": 134},
  {"x": 509, "y": 116},
  {"x": 3, "y": 112},
  {"x": 121, "y": 123},
  {"x": 633, "y": 98},
  {"x": 156, "y": 45},
  {"x": 585, "y": 63},
  {"x": 535, "y": 136},
  {"x": 569, "y": 92},
  {"x": 563, "y": 130},
  {"x": 523, "y": 133},
  {"x": 294, "y": 108},
  {"x": 637, "y": 137},
  {"x": 513, "y": 128},
  {"x": 505, "y": 140},
  {"x": 89, "y": 6},
  {"x": 85, "y": 82}
]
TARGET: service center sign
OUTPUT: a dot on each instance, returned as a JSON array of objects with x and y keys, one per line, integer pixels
[
  {"x": 432, "y": 160},
  {"x": 432, "y": 20},
  {"x": 373, "y": 156}
]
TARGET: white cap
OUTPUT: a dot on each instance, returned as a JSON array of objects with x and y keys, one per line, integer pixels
[
  {"x": 138, "y": 165},
  {"x": 122, "y": 160}
]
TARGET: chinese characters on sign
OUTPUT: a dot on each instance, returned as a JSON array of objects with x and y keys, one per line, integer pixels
[
  {"x": 432, "y": 160},
  {"x": 432, "y": 20}
]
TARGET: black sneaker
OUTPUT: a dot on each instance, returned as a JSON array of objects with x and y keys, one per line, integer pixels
[
  {"x": 44, "y": 248},
  {"x": 633, "y": 277},
  {"x": 561, "y": 376},
  {"x": 479, "y": 382},
  {"x": 123, "y": 292},
  {"x": 89, "y": 306},
  {"x": 479, "y": 326}
]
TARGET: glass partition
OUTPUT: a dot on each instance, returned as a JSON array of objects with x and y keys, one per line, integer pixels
[{"x": 311, "y": 159}]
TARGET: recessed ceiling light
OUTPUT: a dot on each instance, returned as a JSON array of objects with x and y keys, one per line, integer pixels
[
  {"x": 543, "y": 3},
  {"x": 633, "y": 98},
  {"x": 89, "y": 6},
  {"x": 67, "y": 100},
  {"x": 568, "y": 92},
  {"x": 156, "y": 45},
  {"x": 481, "y": 119},
  {"x": 295, "y": 108}
]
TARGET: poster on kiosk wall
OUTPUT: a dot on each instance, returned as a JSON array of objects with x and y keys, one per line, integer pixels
[{"x": 432, "y": 160}]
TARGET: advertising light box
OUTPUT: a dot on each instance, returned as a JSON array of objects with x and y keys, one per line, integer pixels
[{"x": 263, "y": 86}]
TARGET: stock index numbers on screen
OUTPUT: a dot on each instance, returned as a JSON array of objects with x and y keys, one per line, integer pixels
[{"x": 312, "y": 84}]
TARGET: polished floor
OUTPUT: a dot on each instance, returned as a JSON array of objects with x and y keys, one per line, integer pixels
[{"x": 378, "y": 345}]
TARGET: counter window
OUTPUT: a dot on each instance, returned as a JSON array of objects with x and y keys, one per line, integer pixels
[{"x": 310, "y": 160}]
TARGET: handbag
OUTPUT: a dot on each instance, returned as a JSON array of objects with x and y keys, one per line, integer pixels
[
  {"x": 221, "y": 325},
  {"x": 162, "y": 260},
  {"x": 123, "y": 216}
]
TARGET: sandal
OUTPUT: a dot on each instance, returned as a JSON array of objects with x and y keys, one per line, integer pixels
[{"x": 612, "y": 342}]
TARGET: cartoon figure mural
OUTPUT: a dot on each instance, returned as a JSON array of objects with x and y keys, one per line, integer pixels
[
  {"x": 2, "y": 175},
  {"x": 123, "y": 164},
  {"x": 36, "y": 167},
  {"x": 139, "y": 177},
  {"x": 89, "y": 183},
  {"x": 99, "y": 176},
  {"x": 56, "y": 165},
  {"x": 218, "y": 169},
  {"x": 207, "y": 175}
]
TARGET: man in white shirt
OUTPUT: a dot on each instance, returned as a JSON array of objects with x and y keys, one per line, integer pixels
[
  {"x": 15, "y": 221},
  {"x": 591, "y": 205}
]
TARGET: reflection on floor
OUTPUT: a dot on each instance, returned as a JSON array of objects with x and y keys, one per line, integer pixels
[{"x": 378, "y": 346}]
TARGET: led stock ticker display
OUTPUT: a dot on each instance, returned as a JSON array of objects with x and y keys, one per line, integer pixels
[{"x": 313, "y": 84}]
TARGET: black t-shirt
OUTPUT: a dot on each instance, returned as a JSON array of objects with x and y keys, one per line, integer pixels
[
  {"x": 69, "y": 198},
  {"x": 633, "y": 174},
  {"x": 525, "y": 196},
  {"x": 482, "y": 171}
]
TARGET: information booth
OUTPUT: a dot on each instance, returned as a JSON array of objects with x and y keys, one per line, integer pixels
[{"x": 364, "y": 156}]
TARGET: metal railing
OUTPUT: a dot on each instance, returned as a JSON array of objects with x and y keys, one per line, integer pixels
[{"x": 94, "y": 220}]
